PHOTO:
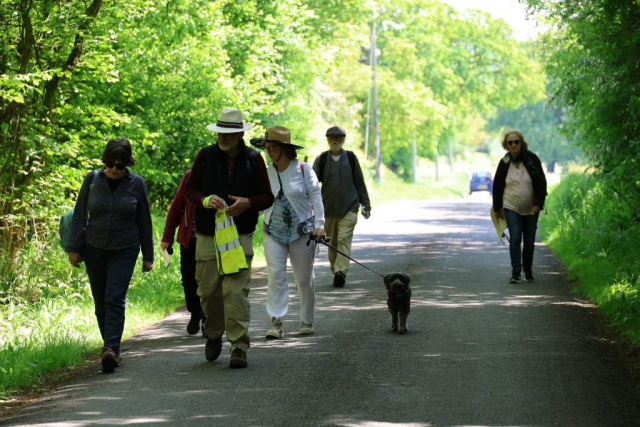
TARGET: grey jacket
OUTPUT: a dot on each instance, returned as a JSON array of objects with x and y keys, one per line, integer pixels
[
  {"x": 342, "y": 190},
  {"x": 117, "y": 220}
]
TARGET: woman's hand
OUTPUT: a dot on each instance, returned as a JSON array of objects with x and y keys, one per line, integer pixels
[
  {"x": 536, "y": 209},
  {"x": 164, "y": 246},
  {"x": 319, "y": 233},
  {"x": 75, "y": 259},
  {"x": 147, "y": 266},
  {"x": 500, "y": 213}
]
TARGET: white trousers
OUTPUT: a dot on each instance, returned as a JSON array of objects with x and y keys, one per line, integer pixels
[{"x": 302, "y": 260}]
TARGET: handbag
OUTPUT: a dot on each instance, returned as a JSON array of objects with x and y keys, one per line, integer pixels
[{"x": 64, "y": 229}]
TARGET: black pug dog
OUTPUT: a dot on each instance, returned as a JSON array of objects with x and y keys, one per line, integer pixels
[{"x": 398, "y": 300}]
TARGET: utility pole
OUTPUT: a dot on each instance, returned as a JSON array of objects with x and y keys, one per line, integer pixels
[
  {"x": 414, "y": 160},
  {"x": 366, "y": 134},
  {"x": 375, "y": 105}
]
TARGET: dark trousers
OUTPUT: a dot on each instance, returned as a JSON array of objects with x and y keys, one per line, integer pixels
[
  {"x": 522, "y": 228},
  {"x": 110, "y": 274},
  {"x": 188, "y": 271}
]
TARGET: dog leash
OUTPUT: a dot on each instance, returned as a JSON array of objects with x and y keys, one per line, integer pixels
[{"x": 324, "y": 242}]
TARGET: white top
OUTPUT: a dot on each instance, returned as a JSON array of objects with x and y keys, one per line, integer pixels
[
  {"x": 518, "y": 192},
  {"x": 302, "y": 192}
]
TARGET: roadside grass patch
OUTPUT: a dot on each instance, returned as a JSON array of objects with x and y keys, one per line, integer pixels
[{"x": 584, "y": 227}]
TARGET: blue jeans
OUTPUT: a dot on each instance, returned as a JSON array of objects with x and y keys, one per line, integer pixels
[
  {"x": 109, "y": 274},
  {"x": 521, "y": 228}
]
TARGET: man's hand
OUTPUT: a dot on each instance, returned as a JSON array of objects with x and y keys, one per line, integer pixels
[
  {"x": 147, "y": 266},
  {"x": 75, "y": 259},
  {"x": 240, "y": 205},
  {"x": 366, "y": 214},
  {"x": 216, "y": 203}
]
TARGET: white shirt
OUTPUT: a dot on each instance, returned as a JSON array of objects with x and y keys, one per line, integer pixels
[
  {"x": 303, "y": 192},
  {"x": 518, "y": 192}
]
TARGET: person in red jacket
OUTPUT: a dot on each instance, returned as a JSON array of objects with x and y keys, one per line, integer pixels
[{"x": 182, "y": 216}]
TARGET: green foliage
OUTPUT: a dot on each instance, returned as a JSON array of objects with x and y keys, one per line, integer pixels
[
  {"x": 542, "y": 126},
  {"x": 585, "y": 226},
  {"x": 592, "y": 62}
]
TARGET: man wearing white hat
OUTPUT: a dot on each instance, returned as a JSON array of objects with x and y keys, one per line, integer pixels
[{"x": 231, "y": 176}]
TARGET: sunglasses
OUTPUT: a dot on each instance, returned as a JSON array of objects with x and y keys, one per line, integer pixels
[
  {"x": 514, "y": 142},
  {"x": 119, "y": 166}
]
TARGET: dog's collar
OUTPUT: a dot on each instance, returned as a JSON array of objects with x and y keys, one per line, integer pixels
[{"x": 398, "y": 296}]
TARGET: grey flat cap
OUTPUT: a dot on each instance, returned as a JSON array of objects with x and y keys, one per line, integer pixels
[{"x": 336, "y": 131}]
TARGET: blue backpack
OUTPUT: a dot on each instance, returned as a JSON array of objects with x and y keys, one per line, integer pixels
[{"x": 65, "y": 220}]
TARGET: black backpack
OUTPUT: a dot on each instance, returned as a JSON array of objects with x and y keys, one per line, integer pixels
[{"x": 323, "y": 161}]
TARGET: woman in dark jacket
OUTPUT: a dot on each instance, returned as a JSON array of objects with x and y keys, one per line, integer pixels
[
  {"x": 519, "y": 191},
  {"x": 109, "y": 240},
  {"x": 182, "y": 216}
]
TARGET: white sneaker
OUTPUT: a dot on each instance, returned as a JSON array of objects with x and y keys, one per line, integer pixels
[
  {"x": 306, "y": 329},
  {"x": 276, "y": 331}
]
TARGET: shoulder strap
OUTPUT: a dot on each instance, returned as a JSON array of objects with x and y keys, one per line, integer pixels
[
  {"x": 352, "y": 162},
  {"x": 323, "y": 162},
  {"x": 93, "y": 183}
]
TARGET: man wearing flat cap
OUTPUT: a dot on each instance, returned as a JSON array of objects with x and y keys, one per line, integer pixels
[
  {"x": 343, "y": 193},
  {"x": 231, "y": 176}
]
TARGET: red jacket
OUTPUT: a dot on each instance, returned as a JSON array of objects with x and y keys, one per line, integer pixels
[{"x": 181, "y": 214}]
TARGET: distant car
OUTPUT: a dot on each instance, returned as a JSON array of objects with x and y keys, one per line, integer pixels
[{"x": 481, "y": 181}]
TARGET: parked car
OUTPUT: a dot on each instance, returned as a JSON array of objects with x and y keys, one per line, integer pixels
[{"x": 481, "y": 181}]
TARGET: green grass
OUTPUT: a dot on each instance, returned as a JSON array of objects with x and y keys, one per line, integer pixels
[{"x": 584, "y": 227}]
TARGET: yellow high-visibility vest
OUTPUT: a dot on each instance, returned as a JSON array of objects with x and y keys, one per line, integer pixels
[{"x": 229, "y": 252}]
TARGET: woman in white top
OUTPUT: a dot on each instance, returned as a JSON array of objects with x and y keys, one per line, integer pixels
[
  {"x": 296, "y": 212},
  {"x": 519, "y": 192}
]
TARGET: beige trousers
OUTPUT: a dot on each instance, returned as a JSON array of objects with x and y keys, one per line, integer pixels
[
  {"x": 224, "y": 299},
  {"x": 341, "y": 232}
]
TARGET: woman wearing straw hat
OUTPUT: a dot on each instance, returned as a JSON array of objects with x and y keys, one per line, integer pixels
[
  {"x": 519, "y": 192},
  {"x": 296, "y": 212}
]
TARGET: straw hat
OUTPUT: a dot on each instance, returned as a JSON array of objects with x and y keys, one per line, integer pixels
[{"x": 275, "y": 134}]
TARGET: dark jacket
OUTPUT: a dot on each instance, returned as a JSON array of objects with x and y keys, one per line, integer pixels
[
  {"x": 213, "y": 172},
  {"x": 343, "y": 189},
  {"x": 181, "y": 216},
  {"x": 534, "y": 167},
  {"x": 118, "y": 220}
]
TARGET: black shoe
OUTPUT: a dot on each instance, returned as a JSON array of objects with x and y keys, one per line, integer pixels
[
  {"x": 339, "y": 279},
  {"x": 528, "y": 276},
  {"x": 212, "y": 349},
  {"x": 194, "y": 323},
  {"x": 515, "y": 278},
  {"x": 110, "y": 360},
  {"x": 238, "y": 359}
]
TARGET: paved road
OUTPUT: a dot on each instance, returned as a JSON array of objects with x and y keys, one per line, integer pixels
[{"x": 479, "y": 352}]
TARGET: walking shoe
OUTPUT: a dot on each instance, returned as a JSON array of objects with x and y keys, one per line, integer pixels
[
  {"x": 338, "y": 279},
  {"x": 306, "y": 329},
  {"x": 110, "y": 360},
  {"x": 276, "y": 331},
  {"x": 515, "y": 278},
  {"x": 212, "y": 349},
  {"x": 238, "y": 359},
  {"x": 528, "y": 276},
  {"x": 194, "y": 323}
]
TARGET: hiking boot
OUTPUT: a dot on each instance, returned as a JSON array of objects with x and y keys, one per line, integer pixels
[
  {"x": 194, "y": 323},
  {"x": 339, "y": 279},
  {"x": 306, "y": 328},
  {"x": 515, "y": 278},
  {"x": 238, "y": 359},
  {"x": 528, "y": 276},
  {"x": 276, "y": 331},
  {"x": 110, "y": 360},
  {"x": 212, "y": 349}
]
